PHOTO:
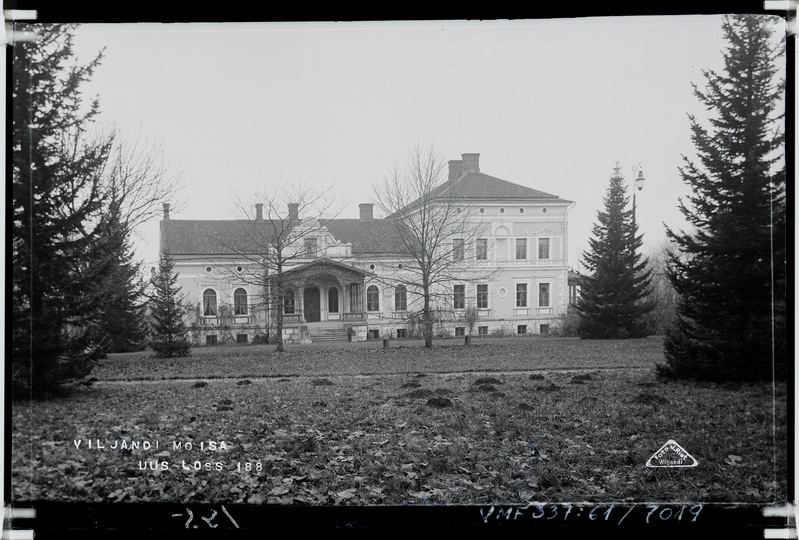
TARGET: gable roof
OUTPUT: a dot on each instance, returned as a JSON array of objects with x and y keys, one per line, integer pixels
[{"x": 324, "y": 263}]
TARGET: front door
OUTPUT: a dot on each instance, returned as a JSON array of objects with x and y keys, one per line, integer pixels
[{"x": 311, "y": 304}]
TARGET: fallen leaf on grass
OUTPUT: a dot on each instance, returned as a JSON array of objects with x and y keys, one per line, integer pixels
[
  {"x": 280, "y": 490},
  {"x": 732, "y": 459},
  {"x": 346, "y": 494}
]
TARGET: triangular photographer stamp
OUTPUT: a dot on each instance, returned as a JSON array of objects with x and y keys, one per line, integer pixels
[{"x": 672, "y": 454}]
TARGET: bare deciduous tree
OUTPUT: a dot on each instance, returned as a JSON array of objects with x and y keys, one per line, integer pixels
[
  {"x": 138, "y": 180},
  {"x": 437, "y": 225},
  {"x": 274, "y": 229}
]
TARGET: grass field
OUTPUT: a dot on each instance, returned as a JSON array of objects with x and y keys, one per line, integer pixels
[{"x": 505, "y": 421}]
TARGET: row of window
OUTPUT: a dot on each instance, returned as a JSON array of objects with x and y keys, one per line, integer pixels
[
  {"x": 373, "y": 298},
  {"x": 481, "y": 249},
  {"x": 210, "y": 302}
]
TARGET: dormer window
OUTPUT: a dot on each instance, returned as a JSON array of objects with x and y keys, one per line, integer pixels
[{"x": 311, "y": 247}]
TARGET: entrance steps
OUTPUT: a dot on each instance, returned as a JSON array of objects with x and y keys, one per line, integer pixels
[{"x": 328, "y": 334}]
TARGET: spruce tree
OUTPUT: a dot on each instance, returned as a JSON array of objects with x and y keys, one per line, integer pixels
[
  {"x": 168, "y": 332},
  {"x": 125, "y": 307},
  {"x": 615, "y": 291},
  {"x": 729, "y": 270},
  {"x": 56, "y": 212}
]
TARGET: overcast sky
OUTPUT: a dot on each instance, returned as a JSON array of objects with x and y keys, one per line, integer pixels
[{"x": 552, "y": 105}]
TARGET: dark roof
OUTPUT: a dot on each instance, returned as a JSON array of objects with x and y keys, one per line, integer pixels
[
  {"x": 195, "y": 237},
  {"x": 575, "y": 278},
  {"x": 376, "y": 236},
  {"x": 228, "y": 237},
  {"x": 477, "y": 185}
]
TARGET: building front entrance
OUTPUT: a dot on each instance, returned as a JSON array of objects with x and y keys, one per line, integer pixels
[{"x": 311, "y": 304}]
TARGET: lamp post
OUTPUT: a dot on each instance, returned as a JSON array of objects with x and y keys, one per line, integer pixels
[{"x": 639, "y": 185}]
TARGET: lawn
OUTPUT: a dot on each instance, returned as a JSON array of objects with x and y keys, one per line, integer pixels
[{"x": 503, "y": 421}]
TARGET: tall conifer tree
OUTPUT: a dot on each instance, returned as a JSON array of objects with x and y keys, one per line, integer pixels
[
  {"x": 57, "y": 216},
  {"x": 167, "y": 309},
  {"x": 729, "y": 270},
  {"x": 614, "y": 293},
  {"x": 124, "y": 307}
]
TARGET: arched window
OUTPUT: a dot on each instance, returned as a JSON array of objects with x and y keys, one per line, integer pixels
[
  {"x": 400, "y": 298},
  {"x": 372, "y": 298},
  {"x": 288, "y": 301},
  {"x": 209, "y": 303},
  {"x": 240, "y": 302},
  {"x": 332, "y": 300}
]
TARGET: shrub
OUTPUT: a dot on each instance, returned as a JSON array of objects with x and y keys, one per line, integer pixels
[{"x": 165, "y": 349}]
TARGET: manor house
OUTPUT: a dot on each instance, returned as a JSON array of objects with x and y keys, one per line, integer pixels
[{"x": 354, "y": 278}]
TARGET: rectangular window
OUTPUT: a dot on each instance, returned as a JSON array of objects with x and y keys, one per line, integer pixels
[
  {"x": 241, "y": 338},
  {"x": 482, "y": 296},
  {"x": 458, "y": 249},
  {"x": 355, "y": 298},
  {"x": 521, "y": 329},
  {"x": 521, "y": 295},
  {"x": 459, "y": 297},
  {"x": 544, "y": 329},
  {"x": 543, "y": 295},
  {"x": 373, "y": 334},
  {"x": 482, "y": 249},
  {"x": 210, "y": 340},
  {"x": 543, "y": 248},
  {"x": 402, "y": 333},
  {"x": 460, "y": 331},
  {"x": 521, "y": 248},
  {"x": 310, "y": 247},
  {"x": 482, "y": 330}
]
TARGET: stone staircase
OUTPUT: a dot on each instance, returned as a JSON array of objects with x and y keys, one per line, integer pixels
[{"x": 328, "y": 334}]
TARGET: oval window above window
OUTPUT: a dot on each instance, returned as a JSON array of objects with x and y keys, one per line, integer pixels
[
  {"x": 482, "y": 210},
  {"x": 239, "y": 269},
  {"x": 458, "y": 210},
  {"x": 371, "y": 267},
  {"x": 521, "y": 210},
  {"x": 543, "y": 210},
  {"x": 399, "y": 265},
  {"x": 501, "y": 210},
  {"x": 208, "y": 268}
]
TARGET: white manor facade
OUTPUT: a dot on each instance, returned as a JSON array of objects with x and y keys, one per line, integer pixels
[{"x": 353, "y": 279}]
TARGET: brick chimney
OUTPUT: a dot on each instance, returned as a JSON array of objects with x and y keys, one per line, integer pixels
[
  {"x": 471, "y": 163},
  {"x": 367, "y": 211},
  {"x": 259, "y": 212},
  {"x": 294, "y": 212},
  {"x": 166, "y": 211},
  {"x": 455, "y": 169}
]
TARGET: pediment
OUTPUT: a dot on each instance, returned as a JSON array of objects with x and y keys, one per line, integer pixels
[{"x": 325, "y": 265}]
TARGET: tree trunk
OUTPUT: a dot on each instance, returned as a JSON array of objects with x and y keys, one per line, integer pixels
[{"x": 428, "y": 321}]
